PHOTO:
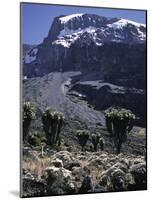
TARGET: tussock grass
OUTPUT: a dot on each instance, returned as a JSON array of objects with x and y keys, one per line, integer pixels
[
  {"x": 37, "y": 167},
  {"x": 142, "y": 132}
]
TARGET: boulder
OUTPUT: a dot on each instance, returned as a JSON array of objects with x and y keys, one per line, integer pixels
[
  {"x": 29, "y": 154},
  {"x": 59, "y": 181},
  {"x": 96, "y": 162},
  {"x": 65, "y": 156},
  {"x": 118, "y": 180},
  {"x": 137, "y": 161},
  {"x": 32, "y": 186},
  {"x": 72, "y": 164},
  {"x": 57, "y": 162},
  {"x": 79, "y": 173},
  {"x": 54, "y": 172},
  {"x": 138, "y": 171},
  {"x": 123, "y": 167},
  {"x": 113, "y": 179},
  {"x": 98, "y": 189},
  {"x": 105, "y": 179},
  {"x": 68, "y": 161}
]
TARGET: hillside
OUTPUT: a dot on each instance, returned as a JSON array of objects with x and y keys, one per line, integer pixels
[{"x": 84, "y": 107}]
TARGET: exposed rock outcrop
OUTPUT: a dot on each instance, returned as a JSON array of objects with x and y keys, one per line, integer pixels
[{"x": 113, "y": 173}]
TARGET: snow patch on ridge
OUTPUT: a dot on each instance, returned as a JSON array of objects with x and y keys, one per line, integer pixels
[
  {"x": 111, "y": 32},
  {"x": 69, "y": 32},
  {"x": 69, "y": 36},
  {"x": 124, "y": 22},
  {"x": 62, "y": 42},
  {"x": 31, "y": 56},
  {"x": 69, "y": 17}
]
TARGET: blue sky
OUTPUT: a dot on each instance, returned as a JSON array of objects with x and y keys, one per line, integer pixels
[{"x": 37, "y": 18}]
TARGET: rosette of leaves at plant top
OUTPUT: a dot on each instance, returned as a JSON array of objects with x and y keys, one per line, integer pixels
[
  {"x": 120, "y": 114},
  {"x": 52, "y": 124},
  {"x": 119, "y": 122},
  {"x": 83, "y": 136},
  {"x": 29, "y": 111}
]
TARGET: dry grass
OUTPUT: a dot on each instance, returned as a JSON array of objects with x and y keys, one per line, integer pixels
[
  {"x": 83, "y": 163},
  {"x": 93, "y": 171},
  {"x": 142, "y": 132},
  {"x": 37, "y": 167}
]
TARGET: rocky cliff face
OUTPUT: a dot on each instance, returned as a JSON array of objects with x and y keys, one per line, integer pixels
[
  {"x": 85, "y": 65},
  {"x": 110, "y": 50},
  {"x": 102, "y": 95},
  {"x": 89, "y": 43}
]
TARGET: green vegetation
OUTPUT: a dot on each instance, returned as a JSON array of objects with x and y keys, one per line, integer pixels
[
  {"x": 83, "y": 136},
  {"x": 119, "y": 123},
  {"x": 52, "y": 125},
  {"x": 95, "y": 141},
  {"x": 101, "y": 143},
  {"x": 60, "y": 142},
  {"x": 28, "y": 114},
  {"x": 36, "y": 139}
]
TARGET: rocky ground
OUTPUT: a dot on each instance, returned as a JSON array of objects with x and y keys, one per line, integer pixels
[
  {"x": 65, "y": 169},
  {"x": 68, "y": 170},
  {"x": 51, "y": 91},
  {"x": 84, "y": 66},
  {"x": 64, "y": 172},
  {"x": 79, "y": 96}
]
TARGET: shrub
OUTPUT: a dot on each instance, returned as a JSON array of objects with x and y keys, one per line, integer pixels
[
  {"x": 101, "y": 142},
  {"x": 83, "y": 136},
  {"x": 36, "y": 139},
  {"x": 60, "y": 142},
  {"x": 95, "y": 141},
  {"x": 28, "y": 114},
  {"x": 52, "y": 125},
  {"x": 119, "y": 123}
]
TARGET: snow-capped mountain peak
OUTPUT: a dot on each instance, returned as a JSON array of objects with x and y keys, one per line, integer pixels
[
  {"x": 89, "y": 29},
  {"x": 69, "y": 17},
  {"x": 124, "y": 22},
  {"x": 100, "y": 29}
]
